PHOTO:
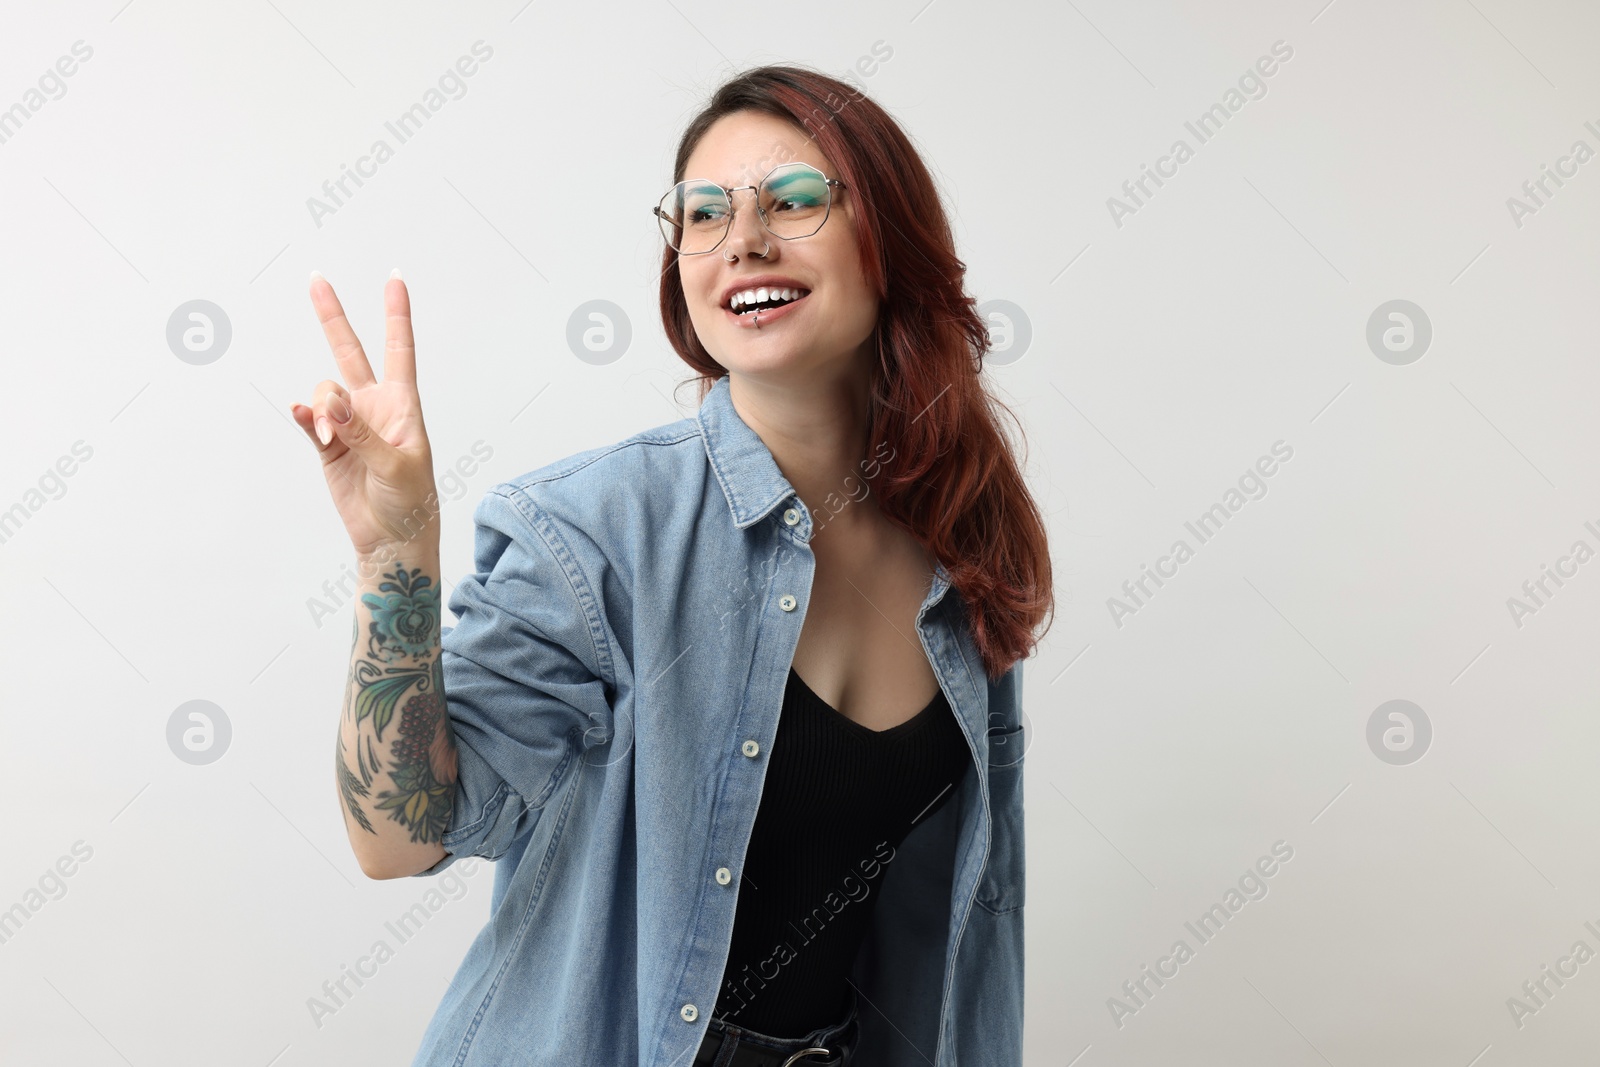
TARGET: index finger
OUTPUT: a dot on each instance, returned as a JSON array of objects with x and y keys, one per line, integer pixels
[
  {"x": 400, "y": 348},
  {"x": 347, "y": 350}
]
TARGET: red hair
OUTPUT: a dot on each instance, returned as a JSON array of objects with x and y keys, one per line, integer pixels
[{"x": 953, "y": 481}]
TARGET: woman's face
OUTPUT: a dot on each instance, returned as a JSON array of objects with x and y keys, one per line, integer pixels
[{"x": 830, "y": 327}]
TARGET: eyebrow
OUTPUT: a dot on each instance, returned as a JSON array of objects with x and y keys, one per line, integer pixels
[{"x": 783, "y": 179}]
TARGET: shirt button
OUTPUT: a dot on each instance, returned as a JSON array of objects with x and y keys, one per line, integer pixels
[
  {"x": 791, "y": 516},
  {"x": 724, "y": 876},
  {"x": 689, "y": 1012},
  {"x": 786, "y": 602},
  {"x": 751, "y": 749}
]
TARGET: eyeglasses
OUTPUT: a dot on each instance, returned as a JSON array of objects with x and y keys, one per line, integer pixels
[{"x": 793, "y": 200}]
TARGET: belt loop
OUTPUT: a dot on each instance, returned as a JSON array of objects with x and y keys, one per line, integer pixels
[{"x": 727, "y": 1048}]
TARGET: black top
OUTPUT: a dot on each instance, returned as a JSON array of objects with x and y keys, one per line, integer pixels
[{"x": 837, "y": 799}]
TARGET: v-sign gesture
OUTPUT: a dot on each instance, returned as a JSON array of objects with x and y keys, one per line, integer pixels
[{"x": 370, "y": 435}]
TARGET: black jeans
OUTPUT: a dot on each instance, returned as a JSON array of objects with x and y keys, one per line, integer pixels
[{"x": 728, "y": 1045}]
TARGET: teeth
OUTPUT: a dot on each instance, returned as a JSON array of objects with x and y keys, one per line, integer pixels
[{"x": 753, "y": 296}]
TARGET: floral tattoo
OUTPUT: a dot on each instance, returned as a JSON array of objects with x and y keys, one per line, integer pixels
[{"x": 405, "y": 619}]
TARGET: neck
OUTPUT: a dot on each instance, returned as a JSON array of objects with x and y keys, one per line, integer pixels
[{"x": 817, "y": 432}]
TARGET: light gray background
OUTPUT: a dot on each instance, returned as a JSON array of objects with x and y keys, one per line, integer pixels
[{"x": 1166, "y": 356}]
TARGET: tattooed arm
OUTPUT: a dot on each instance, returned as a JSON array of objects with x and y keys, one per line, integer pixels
[{"x": 395, "y": 761}]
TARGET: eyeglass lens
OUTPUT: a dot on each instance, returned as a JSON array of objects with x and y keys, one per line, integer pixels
[{"x": 794, "y": 201}]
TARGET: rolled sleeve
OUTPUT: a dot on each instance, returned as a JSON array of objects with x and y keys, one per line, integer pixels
[{"x": 524, "y": 675}]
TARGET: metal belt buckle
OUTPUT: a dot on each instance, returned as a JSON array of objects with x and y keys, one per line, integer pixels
[{"x": 806, "y": 1052}]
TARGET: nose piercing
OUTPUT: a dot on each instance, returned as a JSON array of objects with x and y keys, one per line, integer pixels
[{"x": 766, "y": 249}]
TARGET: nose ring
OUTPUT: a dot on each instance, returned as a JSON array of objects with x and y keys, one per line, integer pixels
[{"x": 766, "y": 247}]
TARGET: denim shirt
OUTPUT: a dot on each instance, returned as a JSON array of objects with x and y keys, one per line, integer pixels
[{"x": 614, "y": 682}]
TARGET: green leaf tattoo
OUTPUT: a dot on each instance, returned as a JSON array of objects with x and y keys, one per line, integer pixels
[{"x": 379, "y": 695}]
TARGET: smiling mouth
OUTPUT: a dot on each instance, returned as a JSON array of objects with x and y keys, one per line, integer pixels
[{"x": 774, "y": 300}]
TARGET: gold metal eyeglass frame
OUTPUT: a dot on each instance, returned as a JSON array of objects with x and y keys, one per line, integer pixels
[{"x": 761, "y": 212}]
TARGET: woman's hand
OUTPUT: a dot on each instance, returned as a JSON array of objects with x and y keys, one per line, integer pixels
[{"x": 376, "y": 459}]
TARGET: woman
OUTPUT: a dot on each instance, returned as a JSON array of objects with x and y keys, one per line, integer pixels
[{"x": 841, "y": 534}]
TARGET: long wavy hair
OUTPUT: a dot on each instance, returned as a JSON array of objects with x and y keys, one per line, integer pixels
[{"x": 953, "y": 481}]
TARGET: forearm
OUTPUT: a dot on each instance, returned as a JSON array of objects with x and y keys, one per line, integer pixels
[{"x": 395, "y": 762}]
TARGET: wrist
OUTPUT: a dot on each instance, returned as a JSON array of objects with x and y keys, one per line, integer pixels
[{"x": 422, "y": 551}]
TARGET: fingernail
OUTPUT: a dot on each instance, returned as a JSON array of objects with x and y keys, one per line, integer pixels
[
  {"x": 395, "y": 273},
  {"x": 315, "y": 275},
  {"x": 338, "y": 408},
  {"x": 324, "y": 431}
]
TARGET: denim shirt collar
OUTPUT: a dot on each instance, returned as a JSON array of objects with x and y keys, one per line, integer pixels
[{"x": 750, "y": 477}]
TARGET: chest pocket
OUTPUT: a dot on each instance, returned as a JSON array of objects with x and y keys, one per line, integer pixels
[{"x": 1001, "y": 889}]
